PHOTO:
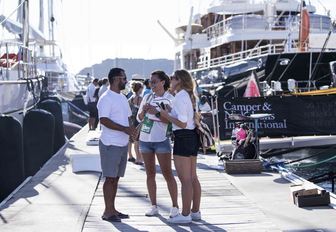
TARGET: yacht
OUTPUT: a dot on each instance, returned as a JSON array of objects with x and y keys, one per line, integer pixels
[
  {"x": 49, "y": 63},
  {"x": 20, "y": 84},
  {"x": 30, "y": 72},
  {"x": 274, "y": 57},
  {"x": 279, "y": 39}
]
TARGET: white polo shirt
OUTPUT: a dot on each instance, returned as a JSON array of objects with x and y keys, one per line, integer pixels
[{"x": 114, "y": 106}]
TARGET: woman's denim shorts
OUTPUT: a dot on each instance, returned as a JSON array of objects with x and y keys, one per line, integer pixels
[{"x": 155, "y": 147}]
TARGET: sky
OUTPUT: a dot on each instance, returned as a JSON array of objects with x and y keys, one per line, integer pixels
[
  {"x": 90, "y": 31},
  {"x": 121, "y": 28}
]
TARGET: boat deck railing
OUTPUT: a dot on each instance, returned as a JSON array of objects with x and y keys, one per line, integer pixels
[
  {"x": 16, "y": 59},
  {"x": 244, "y": 23},
  {"x": 241, "y": 56}
]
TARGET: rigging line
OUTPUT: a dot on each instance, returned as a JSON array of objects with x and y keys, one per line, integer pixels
[
  {"x": 314, "y": 164},
  {"x": 12, "y": 12},
  {"x": 278, "y": 58},
  {"x": 326, "y": 10},
  {"x": 239, "y": 84},
  {"x": 298, "y": 160},
  {"x": 274, "y": 67},
  {"x": 320, "y": 55},
  {"x": 304, "y": 158},
  {"x": 322, "y": 77},
  {"x": 276, "y": 64},
  {"x": 292, "y": 60}
]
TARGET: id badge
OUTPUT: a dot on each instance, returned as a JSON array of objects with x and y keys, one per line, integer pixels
[
  {"x": 147, "y": 125},
  {"x": 169, "y": 130}
]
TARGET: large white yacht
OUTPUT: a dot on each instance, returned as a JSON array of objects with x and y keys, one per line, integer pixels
[
  {"x": 26, "y": 57},
  {"x": 20, "y": 85},
  {"x": 275, "y": 57},
  {"x": 236, "y": 36}
]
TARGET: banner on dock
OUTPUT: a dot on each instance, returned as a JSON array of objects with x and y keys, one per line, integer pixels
[{"x": 290, "y": 115}]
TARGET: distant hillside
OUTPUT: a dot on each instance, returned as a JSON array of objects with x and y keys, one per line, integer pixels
[{"x": 131, "y": 66}]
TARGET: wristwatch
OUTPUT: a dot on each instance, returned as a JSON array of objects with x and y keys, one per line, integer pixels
[{"x": 158, "y": 114}]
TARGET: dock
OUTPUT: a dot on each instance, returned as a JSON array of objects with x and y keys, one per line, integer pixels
[{"x": 57, "y": 199}]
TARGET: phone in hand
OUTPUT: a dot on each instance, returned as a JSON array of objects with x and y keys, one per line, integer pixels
[{"x": 162, "y": 106}]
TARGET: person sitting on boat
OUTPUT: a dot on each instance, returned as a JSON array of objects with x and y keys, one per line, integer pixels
[{"x": 246, "y": 148}]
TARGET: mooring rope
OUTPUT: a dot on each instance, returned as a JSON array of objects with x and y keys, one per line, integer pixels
[{"x": 314, "y": 164}]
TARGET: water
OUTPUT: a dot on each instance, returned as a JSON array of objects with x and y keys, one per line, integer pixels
[{"x": 319, "y": 161}]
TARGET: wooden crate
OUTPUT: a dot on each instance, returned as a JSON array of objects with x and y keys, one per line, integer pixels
[
  {"x": 321, "y": 199},
  {"x": 246, "y": 166}
]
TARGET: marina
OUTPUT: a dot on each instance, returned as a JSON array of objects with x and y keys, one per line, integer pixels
[
  {"x": 56, "y": 199},
  {"x": 264, "y": 79}
]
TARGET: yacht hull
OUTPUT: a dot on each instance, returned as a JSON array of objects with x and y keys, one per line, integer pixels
[{"x": 16, "y": 97}]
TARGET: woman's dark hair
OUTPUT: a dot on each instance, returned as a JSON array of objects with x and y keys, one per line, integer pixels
[
  {"x": 163, "y": 77},
  {"x": 146, "y": 83},
  {"x": 136, "y": 86}
]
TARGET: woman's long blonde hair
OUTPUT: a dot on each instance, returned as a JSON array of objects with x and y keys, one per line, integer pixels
[{"x": 186, "y": 83}]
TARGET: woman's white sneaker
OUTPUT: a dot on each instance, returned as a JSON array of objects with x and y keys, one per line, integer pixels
[
  {"x": 174, "y": 211},
  {"x": 196, "y": 216},
  {"x": 180, "y": 219},
  {"x": 152, "y": 211}
]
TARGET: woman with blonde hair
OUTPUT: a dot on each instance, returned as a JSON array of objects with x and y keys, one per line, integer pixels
[{"x": 186, "y": 145}]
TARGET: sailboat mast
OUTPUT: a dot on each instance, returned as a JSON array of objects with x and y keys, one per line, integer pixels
[
  {"x": 41, "y": 23},
  {"x": 41, "y": 20},
  {"x": 51, "y": 25},
  {"x": 26, "y": 23},
  {"x": 25, "y": 37}
]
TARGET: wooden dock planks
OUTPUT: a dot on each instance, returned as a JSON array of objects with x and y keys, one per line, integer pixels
[{"x": 223, "y": 207}]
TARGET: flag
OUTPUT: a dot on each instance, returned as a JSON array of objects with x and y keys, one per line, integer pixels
[
  {"x": 304, "y": 27},
  {"x": 252, "y": 88}
]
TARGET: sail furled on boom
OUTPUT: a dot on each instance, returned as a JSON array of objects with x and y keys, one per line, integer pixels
[{"x": 304, "y": 27}]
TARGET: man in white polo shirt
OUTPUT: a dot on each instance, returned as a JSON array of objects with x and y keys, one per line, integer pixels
[{"x": 114, "y": 113}]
